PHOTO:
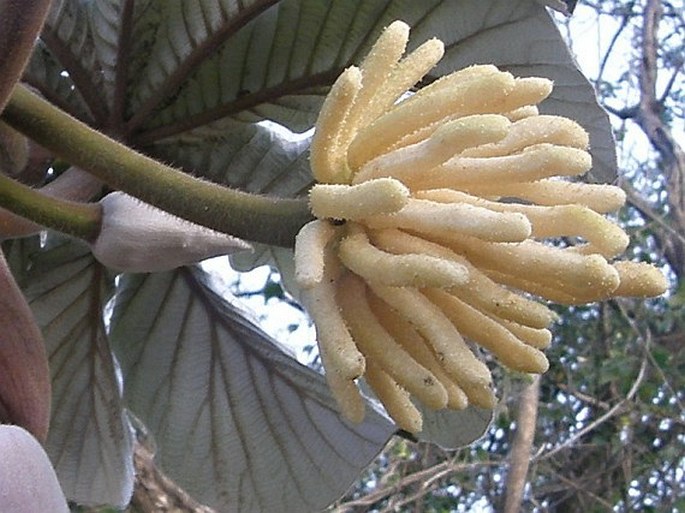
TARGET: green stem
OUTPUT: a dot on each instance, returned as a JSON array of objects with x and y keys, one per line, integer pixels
[
  {"x": 248, "y": 216},
  {"x": 71, "y": 217}
]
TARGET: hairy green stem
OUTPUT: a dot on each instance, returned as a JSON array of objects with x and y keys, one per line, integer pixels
[
  {"x": 248, "y": 216},
  {"x": 71, "y": 217}
]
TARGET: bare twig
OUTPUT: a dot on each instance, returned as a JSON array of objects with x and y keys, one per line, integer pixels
[
  {"x": 584, "y": 490},
  {"x": 429, "y": 475},
  {"x": 624, "y": 23},
  {"x": 671, "y": 81},
  {"x": 647, "y": 211},
  {"x": 600, "y": 420},
  {"x": 413, "y": 498},
  {"x": 646, "y": 337},
  {"x": 571, "y": 390}
]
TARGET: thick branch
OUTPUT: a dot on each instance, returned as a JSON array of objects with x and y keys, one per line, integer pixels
[
  {"x": 649, "y": 117},
  {"x": 650, "y": 120},
  {"x": 248, "y": 216},
  {"x": 520, "y": 454},
  {"x": 648, "y": 68}
]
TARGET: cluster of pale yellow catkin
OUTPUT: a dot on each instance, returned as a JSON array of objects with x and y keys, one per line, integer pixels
[{"x": 435, "y": 217}]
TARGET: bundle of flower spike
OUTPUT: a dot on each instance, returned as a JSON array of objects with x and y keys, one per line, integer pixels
[{"x": 439, "y": 218}]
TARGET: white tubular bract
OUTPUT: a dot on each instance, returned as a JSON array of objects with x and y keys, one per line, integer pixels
[
  {"x": 139, "y": 238},
  {"x": 440, "y": 214}
]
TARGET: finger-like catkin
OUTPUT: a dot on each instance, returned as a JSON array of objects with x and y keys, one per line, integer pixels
[
  {"x": 346, "y": 394},
  {"x": 440, "y": 219},
  {"x": 380, "y": 348},
  {"x": 380, "y": 196},
  {"x": 494, "y": 337},
  {"x": 464, "y": 98},
  {"x": 640, "y": 279},
  {"x": 535, "y": 337},
  {"x": 580, "y": 276},
  {"x": 395, "y": 399},
  {"x": 534, "y": 130},
  {"x": 333, "y": 336},
  {"x": 447, "y": 141},
  {"x": 471, "y": 374},
  {"x": 404, "y": 75},
  {"x": 416, "y": 270},
  {"x": 310, "y": 245},
  {"x": 601, "y": 198},
  {"x": 603, "y": 237},
  {"x": 375, "y": 68},
  {"x": 327, "y": 154},
  {"x": 533, "y": 163},
  {"x": 410, "y": 339},
  {"x": 480, "y": 291}
]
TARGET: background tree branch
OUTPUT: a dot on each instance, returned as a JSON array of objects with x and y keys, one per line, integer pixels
[
  {"x": 650, "y": 118},
  {"x": 521, "y": 447}
]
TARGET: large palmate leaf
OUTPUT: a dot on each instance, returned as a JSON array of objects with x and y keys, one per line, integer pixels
[
  {"x": 451, "y": 429},
  {"x": 89, "y": 441},
  {"x": 238, "y": 422},
  {"x": 273, "y": 66},
  {"x": 253, "y": 157},
  {"x": 71, "y": 41},
  {"x": 45, "y": 73}
]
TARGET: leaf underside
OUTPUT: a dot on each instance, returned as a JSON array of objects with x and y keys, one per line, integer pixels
[
  {"x": 243, "y": 425},
  {"x": 89, "y": 441},
  {"x": 178, "y": 78}
]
